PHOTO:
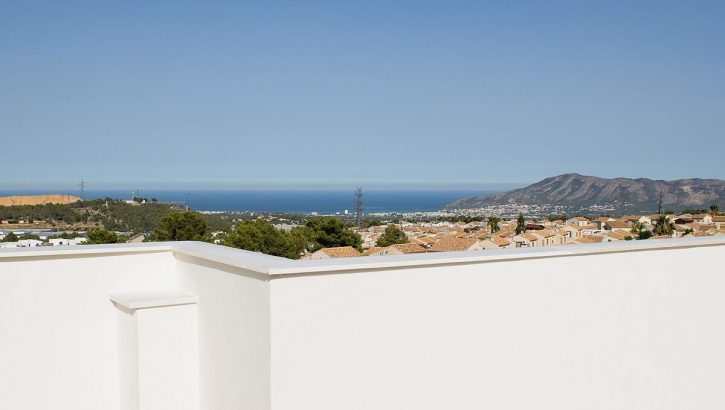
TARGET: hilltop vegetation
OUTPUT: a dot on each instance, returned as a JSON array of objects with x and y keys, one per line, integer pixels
[
  {"x": 102, "y": 217},
  {"x": 110, "y": 214}
]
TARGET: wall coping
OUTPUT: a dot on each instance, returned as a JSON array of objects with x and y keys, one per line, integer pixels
[
  {"x": 276, "y": 267},
  {"x": 153, "y": 299}
]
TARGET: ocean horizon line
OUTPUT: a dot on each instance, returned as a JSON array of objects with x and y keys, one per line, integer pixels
[
  {"x": 438, "y": 186},
  {"x": 284, "y": 201}
]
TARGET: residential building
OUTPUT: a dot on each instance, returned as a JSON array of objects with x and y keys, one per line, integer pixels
[
  {"x": 548, "y": 237},
  {"x": 573, "y": 233},
  {"x": 29, "y": 243},
  {"x": 618, "y": 225},
  {"x": 577, "y": 221},
  {"x": 702, "y": 218},
  {"x": 452, "y": 244},
  {"x": 719, "y": 221},
  {"x": 66, "y": 242},
  {"x": 526, "y": 240},
  {"x": 495, "y": 242},
  {"x": 601, "y": 221},
  {"x": 338, "y": 252},
  {"x": 590, "y": 239},
  {"x": 396, "y": 249},
  {"x": 617, "y": 235}
]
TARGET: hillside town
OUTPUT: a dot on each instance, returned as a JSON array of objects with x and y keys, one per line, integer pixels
[
  {"x": 443, "y": 235},
  {"x": 312, "y": 236},
  {"x": 507, "y": 234}
]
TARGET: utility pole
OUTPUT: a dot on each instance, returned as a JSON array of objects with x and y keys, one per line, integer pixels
[
  {"x": 83, "y": 185},
  {"x": 358, "y": 206},
  {"x": 659, "y": 204}
]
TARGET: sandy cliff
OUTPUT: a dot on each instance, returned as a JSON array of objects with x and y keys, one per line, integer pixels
[{"x": 38, "y": 199}]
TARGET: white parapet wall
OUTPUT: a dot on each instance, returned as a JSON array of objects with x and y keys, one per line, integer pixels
[{"x": 631, "y": 325}]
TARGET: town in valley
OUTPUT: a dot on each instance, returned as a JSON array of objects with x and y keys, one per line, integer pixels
[{"x": 375, "y": 234}]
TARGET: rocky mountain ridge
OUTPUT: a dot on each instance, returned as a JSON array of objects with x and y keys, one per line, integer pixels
[{"x": 576, "y": 191}]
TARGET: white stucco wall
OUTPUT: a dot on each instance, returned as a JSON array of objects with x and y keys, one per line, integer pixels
[
  {"x": 234, "y": 334},
  {"x": 640, "y": 330},
  {"x": 632, "y": 325},
  {"x": 58, "y": 341},
  {"x": 59, "y": 338}
]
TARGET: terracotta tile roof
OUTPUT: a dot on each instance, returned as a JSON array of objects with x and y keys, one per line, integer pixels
[
  {"x": 718, "y": 218},
  {"x": 506, "y": 232},
  {"x": 452, "y": 244},
  {"x": 545, "y": 233},
  {"x": 619, "y": 235},
  {"x": 590, "y": 239},
  {"x": 529, "y": 236},
  {"x": 373, "y": 251},
  {"x": 579, "y": 218},
  {"x": 618, "y": 224},
  {"x": 340, "y": 252},
  {"x": 409, "y": 247},
  {"x": 500, "y": 241}
]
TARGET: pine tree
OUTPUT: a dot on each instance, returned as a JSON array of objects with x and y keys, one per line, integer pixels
[
  {"x": 391, "y": 236},
  {"x": 493, "y": 224},
  {"x": 520, "y": 224}
]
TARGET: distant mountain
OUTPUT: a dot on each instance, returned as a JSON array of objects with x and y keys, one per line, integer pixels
[{"x": 576, "y": 191}]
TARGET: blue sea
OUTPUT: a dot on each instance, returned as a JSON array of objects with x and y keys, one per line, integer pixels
[{"x": 291, "y": 201}]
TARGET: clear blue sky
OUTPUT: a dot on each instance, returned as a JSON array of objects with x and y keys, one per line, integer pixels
[{"x": 370, "y": 92}]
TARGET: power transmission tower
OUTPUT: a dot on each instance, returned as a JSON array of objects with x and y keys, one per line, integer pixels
[
  {"x": 358, "y": 206},
  {"x": 83, "y": 185}
]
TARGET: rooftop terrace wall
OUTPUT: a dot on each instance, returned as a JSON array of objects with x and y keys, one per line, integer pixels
[{"x": 623, "y": 325}]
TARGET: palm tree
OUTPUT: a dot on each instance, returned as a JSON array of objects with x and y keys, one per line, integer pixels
[
  {"x": 493, "y": 223},
  {"x": 638, "y": 227},
  {"x": 663, "y": 226},
  {"x": 714, "y": 209}
]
